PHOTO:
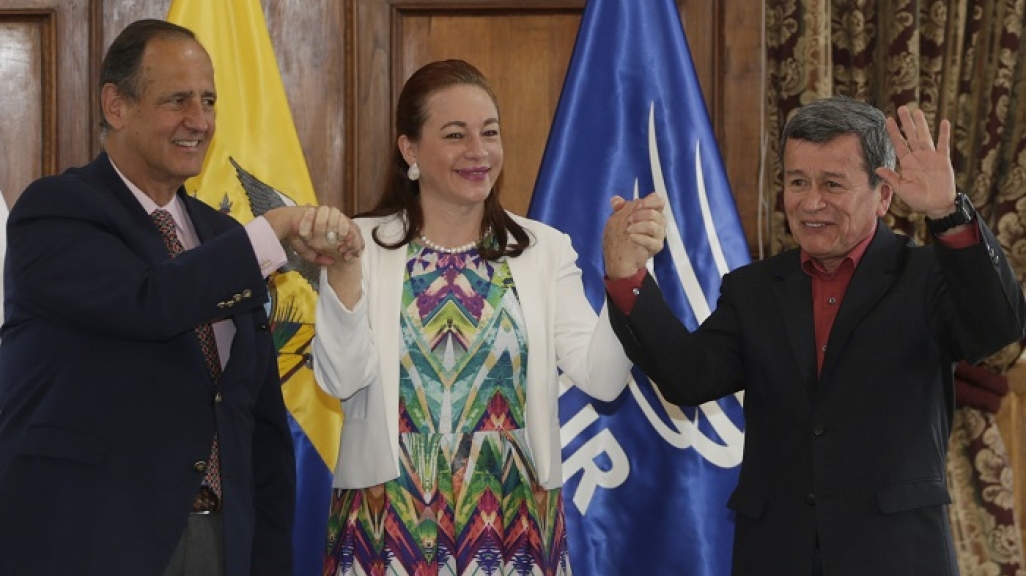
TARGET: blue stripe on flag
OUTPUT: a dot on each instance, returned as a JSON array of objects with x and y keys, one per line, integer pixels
[
  {"x": 647, "y": 483},
  {"x": 313, "y": 493}
]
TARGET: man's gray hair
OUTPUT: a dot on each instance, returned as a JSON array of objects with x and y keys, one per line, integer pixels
[{"x": 823, "y": 120}]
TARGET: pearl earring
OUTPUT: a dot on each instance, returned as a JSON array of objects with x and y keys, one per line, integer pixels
[{"x": 414, "y": 172}]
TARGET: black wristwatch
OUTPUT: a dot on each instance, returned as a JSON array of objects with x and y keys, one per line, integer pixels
[{"x": 964, "y": 213}]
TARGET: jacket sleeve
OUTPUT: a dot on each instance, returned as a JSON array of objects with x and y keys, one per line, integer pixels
[
  {"x": 989, "y": 309},
  {"x": 688, "y": 368},
  {"x": 586, "y": 348},
  {"x": 77, "y": 257},
  {"x": 345, "y": 356}
]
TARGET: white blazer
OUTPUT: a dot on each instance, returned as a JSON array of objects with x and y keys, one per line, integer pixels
[{"x": 356, "y": 352}]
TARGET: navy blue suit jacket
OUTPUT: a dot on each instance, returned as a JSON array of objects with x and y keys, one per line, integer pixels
[
  {"x": 855, "y": 454},
  {"x": 106, "y": 405}
]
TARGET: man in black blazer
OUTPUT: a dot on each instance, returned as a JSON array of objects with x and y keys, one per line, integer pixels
[
  {"x": 110, "y": 409},
  {"x": 845, "y": 349}
]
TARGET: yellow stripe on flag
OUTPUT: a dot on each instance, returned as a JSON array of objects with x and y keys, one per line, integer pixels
[{"x": 255, "y": 129}]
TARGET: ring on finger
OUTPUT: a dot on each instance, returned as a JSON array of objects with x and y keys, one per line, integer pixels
[{"x": 331, "y": 236}]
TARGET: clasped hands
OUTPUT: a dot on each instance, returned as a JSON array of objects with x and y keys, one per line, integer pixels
[
  {"x": 322, "y": 235},
  {"x": 634, "y": 233}
]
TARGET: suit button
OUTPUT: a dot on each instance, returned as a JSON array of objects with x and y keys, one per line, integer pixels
[
  {"x": 818, "y": 429},
  {"x": 262, "y": 327},
  {"x": 217, "y": 398},
  {"x": 811, "y": 499},
  {"x": 200, "y": 466}
]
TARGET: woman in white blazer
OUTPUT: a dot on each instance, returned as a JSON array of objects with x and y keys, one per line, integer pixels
[{"x": 444, "y": 340}]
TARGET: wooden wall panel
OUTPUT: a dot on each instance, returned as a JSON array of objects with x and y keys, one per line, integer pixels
[
  {"x": 738, "y": 108},
  {"x": 309, "y": 41},
  {"x": 26, "y": 138},
  {"x": 44, "y": 123}
]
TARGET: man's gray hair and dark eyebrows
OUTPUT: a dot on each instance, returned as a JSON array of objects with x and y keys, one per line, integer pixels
[{"x": 823, "y": 120}]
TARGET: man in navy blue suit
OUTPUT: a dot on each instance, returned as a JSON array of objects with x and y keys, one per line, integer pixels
[{"x": 142, "y": 425}]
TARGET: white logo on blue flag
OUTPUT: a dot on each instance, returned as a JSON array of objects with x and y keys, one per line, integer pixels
[{"x": 646, "y": 482}]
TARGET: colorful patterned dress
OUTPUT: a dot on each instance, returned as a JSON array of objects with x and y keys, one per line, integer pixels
[{"x": 466, "y": 501}]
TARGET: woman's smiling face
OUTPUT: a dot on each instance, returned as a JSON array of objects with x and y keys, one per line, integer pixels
[{"x": 460, "y": 148}]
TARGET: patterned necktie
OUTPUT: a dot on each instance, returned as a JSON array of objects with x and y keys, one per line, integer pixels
[{"x": 166, "y": 224}]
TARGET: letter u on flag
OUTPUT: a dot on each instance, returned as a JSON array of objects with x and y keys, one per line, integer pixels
[
  {"x": 255, "y": 163},
  {"x": 646, "y": 482}
]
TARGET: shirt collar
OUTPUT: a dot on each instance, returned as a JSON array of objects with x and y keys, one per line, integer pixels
[
  {"x": 175, "y": 206},
  {"x": 814, "y": 268}
]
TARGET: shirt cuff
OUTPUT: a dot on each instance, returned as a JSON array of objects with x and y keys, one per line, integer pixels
[
  {"x": 624, "y": 291},
  {"x": 968, "y": 236},
  {"x": 269, "y": 252}
]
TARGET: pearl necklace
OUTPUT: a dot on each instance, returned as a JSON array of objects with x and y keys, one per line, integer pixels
[{"x": 455, "y": 250}]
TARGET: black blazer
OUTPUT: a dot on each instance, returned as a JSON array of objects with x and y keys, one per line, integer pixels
[
  {"x": 855, "y": 456},
  {"x": 105, "y": 401}
]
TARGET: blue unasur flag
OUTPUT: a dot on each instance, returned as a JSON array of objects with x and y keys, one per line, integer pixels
[{"x": 646, "y": 482}]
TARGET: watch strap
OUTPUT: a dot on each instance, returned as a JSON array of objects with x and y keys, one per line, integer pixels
[{"x": 964, "y": 214}]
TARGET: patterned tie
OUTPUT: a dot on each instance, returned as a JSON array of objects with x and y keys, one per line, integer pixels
[{"x": 166, "y": 224}]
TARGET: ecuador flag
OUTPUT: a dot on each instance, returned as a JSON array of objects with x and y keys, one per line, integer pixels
[{"x": 255, "y": 163}]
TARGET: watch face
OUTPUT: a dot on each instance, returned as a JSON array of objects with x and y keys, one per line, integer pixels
[{"x": 963, "y": 209}]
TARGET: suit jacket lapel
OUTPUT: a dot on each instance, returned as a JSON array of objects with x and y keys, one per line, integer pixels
[
  {"x": 873, "y": 277},
  {"x": 242, "y": 340},
  {"x": 794, "y": 296},
  {"x": 103, "y": 169},
  {"x": 152, "y": 243},
  {"x": 203, "y": 225}
]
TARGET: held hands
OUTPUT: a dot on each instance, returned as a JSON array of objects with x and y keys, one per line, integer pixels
[
  {"x": 322, "y": 235},
  {"x": 927, "y": 179},
  {"x": 332, "y": 235},
  {"x": 634, "y": 233}
]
